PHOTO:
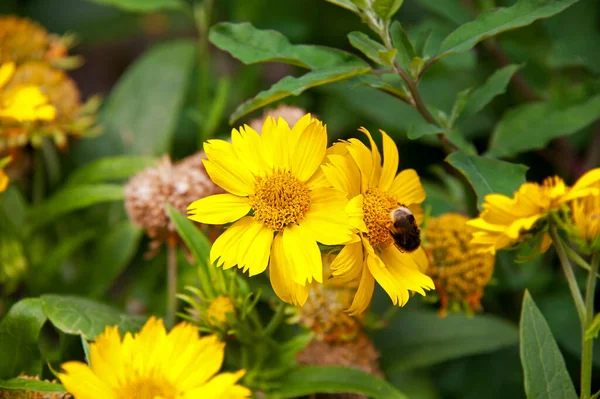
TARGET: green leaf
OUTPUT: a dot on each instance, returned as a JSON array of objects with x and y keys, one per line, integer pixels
[
  {"x": 81, "y": 316},
  {"x": 500, "y": 20},
  {"x": 487, "y": 175},
  {"x": 375, "y": 82},
  {"x": 594, "y": 328},
  {"x": 424, "y": 339},
  {"x": 110, "y": 168},
  {"x": 367, "y": 46},
  {"x": 139, "y": 117},
  {"x": 544, "y": 368},
  {"x": 289, "y": 86},
  {"x": 22, "y": 384},
  {"x": 385, "y": 9},
  {"x": 494, "y": 86},
  {"x": 406, "y": 51},
  {"x": 71, "y": 198},
  {"x": 19, "y": 332},
  {"x": 424, "y": 129},
  {"x": 532, "y": 126},
  {"x": 251, "y": 45},
  {"x": 304, "y": 381},
  {"x": 194, "y": 239},
  {"x": 458, "y": 139},
  {"x": 347, "y": 4},
  {"x": 453, "y": 10},
  {"x": 142, "y": 5},
  {"x": 112, "y": 254},
  {"x": 459, "y": 105}
]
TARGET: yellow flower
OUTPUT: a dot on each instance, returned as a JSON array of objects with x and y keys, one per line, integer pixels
[
  {"x": 3, "y": 176},
  {"x": 24, "y": 102},
  {"x": 503, "y": 219},
  {"x": 218, "y": 309},
  {"x": 274, "y": 176},
  {"x": 375, "y": 191},
  {"x": 585, "y": 213},
  {"x": 153, "y": 364},
  {"x": 459, "y": 272}
]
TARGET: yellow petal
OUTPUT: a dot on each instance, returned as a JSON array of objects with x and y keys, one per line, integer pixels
[
  {"x": 302, "y": 254},
  {"x": 248, "y": 146},
  {"x": 255, "y": 248},
  {"x": 7, "y": 70},
  {"x": 218, "y": 209},
  {"x": 420, "y": 258},
  {"x": 343, "y": 174},
  {"x": 228, "y": 179},
  {"x": 405, "y": 270},
  {"x": 375, "y": 160},
  {"x": 590, "y": 178},
  {"x": 226, "y": 169},
  {"x": 309, "y": 151},
  {"x": 355, "y": 212},
  {"x": 396, "y": 290},
  {"x": 390, "y": 162},
  {"x": 362, "y": 156},
  {"x": 281, "y": 278},
  {"x": 222, "y": 386},
  {"x": 82, "y": 383},
  {"x": 224, "y": 249},
  {"x": 326, "y": 219},
  {"x": 3, "y": 180},
  {"x": 364, "y": 293},
  {"x": 105, "y": 357},
  {"x": 348, "y": 264},
  {"x": 407, "y": 187}
]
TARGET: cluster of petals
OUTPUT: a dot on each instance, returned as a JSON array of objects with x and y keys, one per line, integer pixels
[
  {"x": 153, "y": 364},
  {"x": 24, "y": 102},
  {"x": 505, "y": 219}
]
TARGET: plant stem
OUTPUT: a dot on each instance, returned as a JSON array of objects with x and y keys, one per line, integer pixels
[
  {"x": 171, "y": 283},
  {"x": 588, "y": 344},
  {"x": 570, "y": 276},
  {"x": 276, "y": 320},
  {"x": 202, "y": 18},
  {"x": 39, "y": 178}
]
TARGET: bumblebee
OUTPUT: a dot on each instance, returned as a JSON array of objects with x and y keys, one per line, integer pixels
[{"x": 404, "y": 229}]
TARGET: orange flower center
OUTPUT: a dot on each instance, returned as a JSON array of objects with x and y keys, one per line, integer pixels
[
  {"x": 279, "y": 200},
  {"x": 377, "y": 208},
  {"x": 148, "y": 388}
]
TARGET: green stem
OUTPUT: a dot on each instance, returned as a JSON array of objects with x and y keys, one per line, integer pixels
[
  {"x": 588, "y": 344},
  {"x": 171, "y": 284},
  {"x": 276, "y": 320},
  {"x": 39, "y": 178},
  {"x": 202, "y": 18}
]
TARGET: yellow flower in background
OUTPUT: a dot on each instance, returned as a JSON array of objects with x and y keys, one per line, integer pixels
[
  {"x": 585, "y": 215},
  {"x": 459, "y": 271},
  {"x": 24, "y": 102},
  {"x": 3, "y": 176},
  {"x": 375, "y": 191},
  {"x": 153, "y": 364},
  {"x": 504, "y": 219},
  {"x": 274, "y": 176}
]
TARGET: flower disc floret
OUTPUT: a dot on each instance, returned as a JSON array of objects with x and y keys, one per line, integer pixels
[
  {"x": 279, "y": 200},
  {"x": 377, "y": 206}
]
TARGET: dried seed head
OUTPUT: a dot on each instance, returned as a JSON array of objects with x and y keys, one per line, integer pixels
[
  {"x": 24, "y": 40},
  {"x": 148, "y": 192}
]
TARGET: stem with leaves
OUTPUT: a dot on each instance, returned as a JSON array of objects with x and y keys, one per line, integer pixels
[{"x": 588, "y": 342}]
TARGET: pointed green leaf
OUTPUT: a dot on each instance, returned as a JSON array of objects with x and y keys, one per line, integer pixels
[
  {"x": 110, "y": 168},
  {"x": 543, "y": 365},
  {"x": 291, "y": 86},
  {"x": 194, "y": 239},
  {"x": 406, "y": 51},
  {"x": 251, "y": 45},
  {"x": 304, "y": 381},
  {"x": 22, "y": 384},
  {"x": 487, "y": 175},
  {"x": 425, "y": 339},
  {"x": 459, "y": 105},
  {"x": 347, "y": 4},
  {"x": 594, "y": 328},
  {"x": 458, "y": 139},
  {"x": 423, "y": 129},
  {"x": 71, "y": 198},
  {"x": 385, "y": 9},
  {"x": 494, "y": 86},
  {"x": 499, "y": 20},
  {"x": 81, "y": 316},
  {"x": 532, "y": 126},
  {"x": 367, "y": 46},
  {"x": 19, "y": 332},
  {"x": 142, "y": 5}
]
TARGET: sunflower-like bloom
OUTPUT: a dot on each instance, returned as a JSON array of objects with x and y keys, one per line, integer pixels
[
  {"x": 505, "y": 220},
  {"x": 23, "y": 102},
  {"x": 153, "y": 364},
  {"x": 460, "y": 272},
  {"x": 273, "y": 175},
  {"x": 375, "y": 191}
]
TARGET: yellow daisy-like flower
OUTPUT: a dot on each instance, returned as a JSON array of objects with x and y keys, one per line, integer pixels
[
  {"x": 375, "y": 191},
  {"x": 504, "y": 219},
  {"x": 585, "y": 214},
  {"x": 153, "y": 364},
  {"x": 273, "y": 176},
  {"x": 23, "y": 102}
]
